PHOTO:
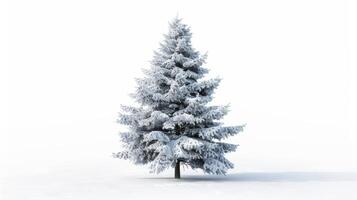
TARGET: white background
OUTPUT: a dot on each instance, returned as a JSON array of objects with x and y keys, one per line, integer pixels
[{"x": 288, "y": 70}]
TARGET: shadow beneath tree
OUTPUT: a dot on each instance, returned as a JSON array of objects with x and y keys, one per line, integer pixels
[
  {"x": 270, "y": 177},
  {"x": 278, "y": 177}
]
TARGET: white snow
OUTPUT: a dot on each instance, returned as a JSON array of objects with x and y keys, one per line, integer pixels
[{"x": 107, "y": 180}]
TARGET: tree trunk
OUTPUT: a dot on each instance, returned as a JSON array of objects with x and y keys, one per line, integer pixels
[{"x": 177, "y": 170}]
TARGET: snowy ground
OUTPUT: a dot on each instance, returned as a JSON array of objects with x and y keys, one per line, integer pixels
[{"x": 107, "y": 181}]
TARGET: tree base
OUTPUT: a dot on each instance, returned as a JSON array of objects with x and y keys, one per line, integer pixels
[{"x": 177, "y": 170}]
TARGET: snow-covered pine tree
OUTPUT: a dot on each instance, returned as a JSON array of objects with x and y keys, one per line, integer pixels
[{"x": 174, "y": 123}]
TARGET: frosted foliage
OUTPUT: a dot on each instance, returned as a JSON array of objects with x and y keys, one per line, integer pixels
[{"x": 173, "y": 122}]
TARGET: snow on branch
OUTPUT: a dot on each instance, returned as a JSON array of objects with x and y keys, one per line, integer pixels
[
  {"x": 181, "y": 120},
  {"x": 217, "y": 132},
  {"x": 156, "y": 135}
]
